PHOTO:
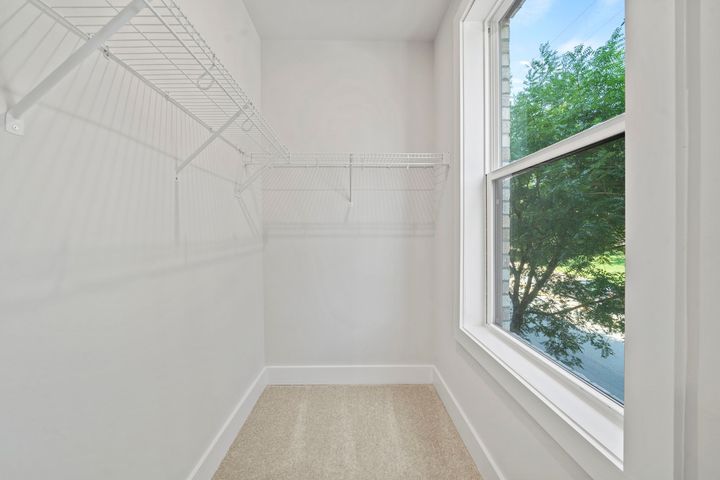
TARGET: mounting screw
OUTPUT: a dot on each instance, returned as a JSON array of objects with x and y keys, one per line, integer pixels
[{"x": 14, "y": 125}]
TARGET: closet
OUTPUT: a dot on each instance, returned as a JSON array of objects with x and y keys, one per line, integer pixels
[
  {"x": 174, "y": 243},
  {"x": 234, "y": 236}
]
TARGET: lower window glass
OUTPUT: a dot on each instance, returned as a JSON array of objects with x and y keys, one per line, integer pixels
[{"x": 560, "y": 247}]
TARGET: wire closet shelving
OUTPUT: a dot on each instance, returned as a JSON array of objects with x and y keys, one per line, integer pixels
[
  {"x": 155, "y": 41},
  {"x": 387, "y": 191},
  {"x": 356, "y": 164}
]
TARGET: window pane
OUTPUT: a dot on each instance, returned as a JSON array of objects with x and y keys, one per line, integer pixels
[
  {"x": 561, "y": 251},
  {"x": 562, "y": 71}
]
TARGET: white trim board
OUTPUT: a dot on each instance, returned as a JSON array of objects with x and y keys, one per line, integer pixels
[
  {"x": 218, "y": 448},
  {"x": 350, "y": 374},
  {"x": 476, "y": 447}
]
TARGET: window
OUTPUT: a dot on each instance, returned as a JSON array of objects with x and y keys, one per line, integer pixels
[
  {"x": 542, "y": 189},
  {"x": 556, "y": 183}
]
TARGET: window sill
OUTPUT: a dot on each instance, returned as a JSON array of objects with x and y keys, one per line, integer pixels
[{"x": 587, "y": 425}]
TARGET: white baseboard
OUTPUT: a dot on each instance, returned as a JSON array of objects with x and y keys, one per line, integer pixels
[
  {"x": 215, "y": 453},
  {"x": 349, "y": 374},
  {"x": 476, "y": 447}
]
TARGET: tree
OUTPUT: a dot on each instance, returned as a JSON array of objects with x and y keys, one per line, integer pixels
[{"x": 567, "y": 217}]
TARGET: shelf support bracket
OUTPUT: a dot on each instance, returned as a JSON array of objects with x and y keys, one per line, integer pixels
[
  {"x": 176, "y": 229},
  {"x": 243, "y": 186},
  {"x": 350, "y": 166},
  {"x": 13, "y": 117},
  {"x": 207, "y": 142}
]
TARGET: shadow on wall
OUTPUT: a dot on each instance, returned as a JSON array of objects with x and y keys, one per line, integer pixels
[{"x": 88, "y": 195}]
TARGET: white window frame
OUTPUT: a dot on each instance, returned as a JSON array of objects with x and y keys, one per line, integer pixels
[{"x": 591, "y": 424}]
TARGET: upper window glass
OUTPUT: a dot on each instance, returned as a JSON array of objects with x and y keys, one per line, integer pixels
[{"x": 562, "y": 71}]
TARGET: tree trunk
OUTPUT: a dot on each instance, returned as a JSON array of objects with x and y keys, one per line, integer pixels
[{"x": 517, "y": 320}]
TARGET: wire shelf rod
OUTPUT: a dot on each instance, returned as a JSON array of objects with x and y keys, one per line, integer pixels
[{"x": 353, "y": 165}]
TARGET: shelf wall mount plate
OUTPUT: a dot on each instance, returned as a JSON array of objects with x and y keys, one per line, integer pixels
[
  {"x": 14, "y": 125},
  {"x": 13, "y": 121}
]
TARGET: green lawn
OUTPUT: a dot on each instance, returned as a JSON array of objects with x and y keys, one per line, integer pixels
[
  {"x": 611, "y": 264},
  {"x": 616, "y": 264}
]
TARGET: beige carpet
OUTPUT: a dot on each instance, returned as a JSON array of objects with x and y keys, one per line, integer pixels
[{"x": 348, "y": 432}]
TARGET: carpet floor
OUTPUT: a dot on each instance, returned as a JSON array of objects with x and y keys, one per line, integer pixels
[{"x": 348, "y": 432}]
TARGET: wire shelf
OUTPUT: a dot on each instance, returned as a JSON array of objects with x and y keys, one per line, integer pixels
[
  {"x": 361, "y": 160},
  {"x": 161, "y": 47},
  {"x": 155, "y": 42},
  {"x": 379, "y": 190}
]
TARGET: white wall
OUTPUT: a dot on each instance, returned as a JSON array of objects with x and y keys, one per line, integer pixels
[
  {"x": 353, "y": 96},
  {"x": 121, "y": 353},
  {"x": 703, "y": 387},
  {"x": 340, "y": 290}
]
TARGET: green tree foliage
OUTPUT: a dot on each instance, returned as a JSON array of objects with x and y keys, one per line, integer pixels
[{"x": 567, "y": 217}]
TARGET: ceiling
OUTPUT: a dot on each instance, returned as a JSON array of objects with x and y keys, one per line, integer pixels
[{"x": 347, "y": 19}]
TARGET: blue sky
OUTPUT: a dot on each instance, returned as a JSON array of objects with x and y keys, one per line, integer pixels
[{"x": 563, "y": 23}]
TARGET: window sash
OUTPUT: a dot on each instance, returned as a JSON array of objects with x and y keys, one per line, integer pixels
[
  {"x": 596, "y": 134},
  {"x": 496, "y": 171}
]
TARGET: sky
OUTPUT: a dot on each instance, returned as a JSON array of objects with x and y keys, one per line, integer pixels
[{"x": 562, "y": 23}]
